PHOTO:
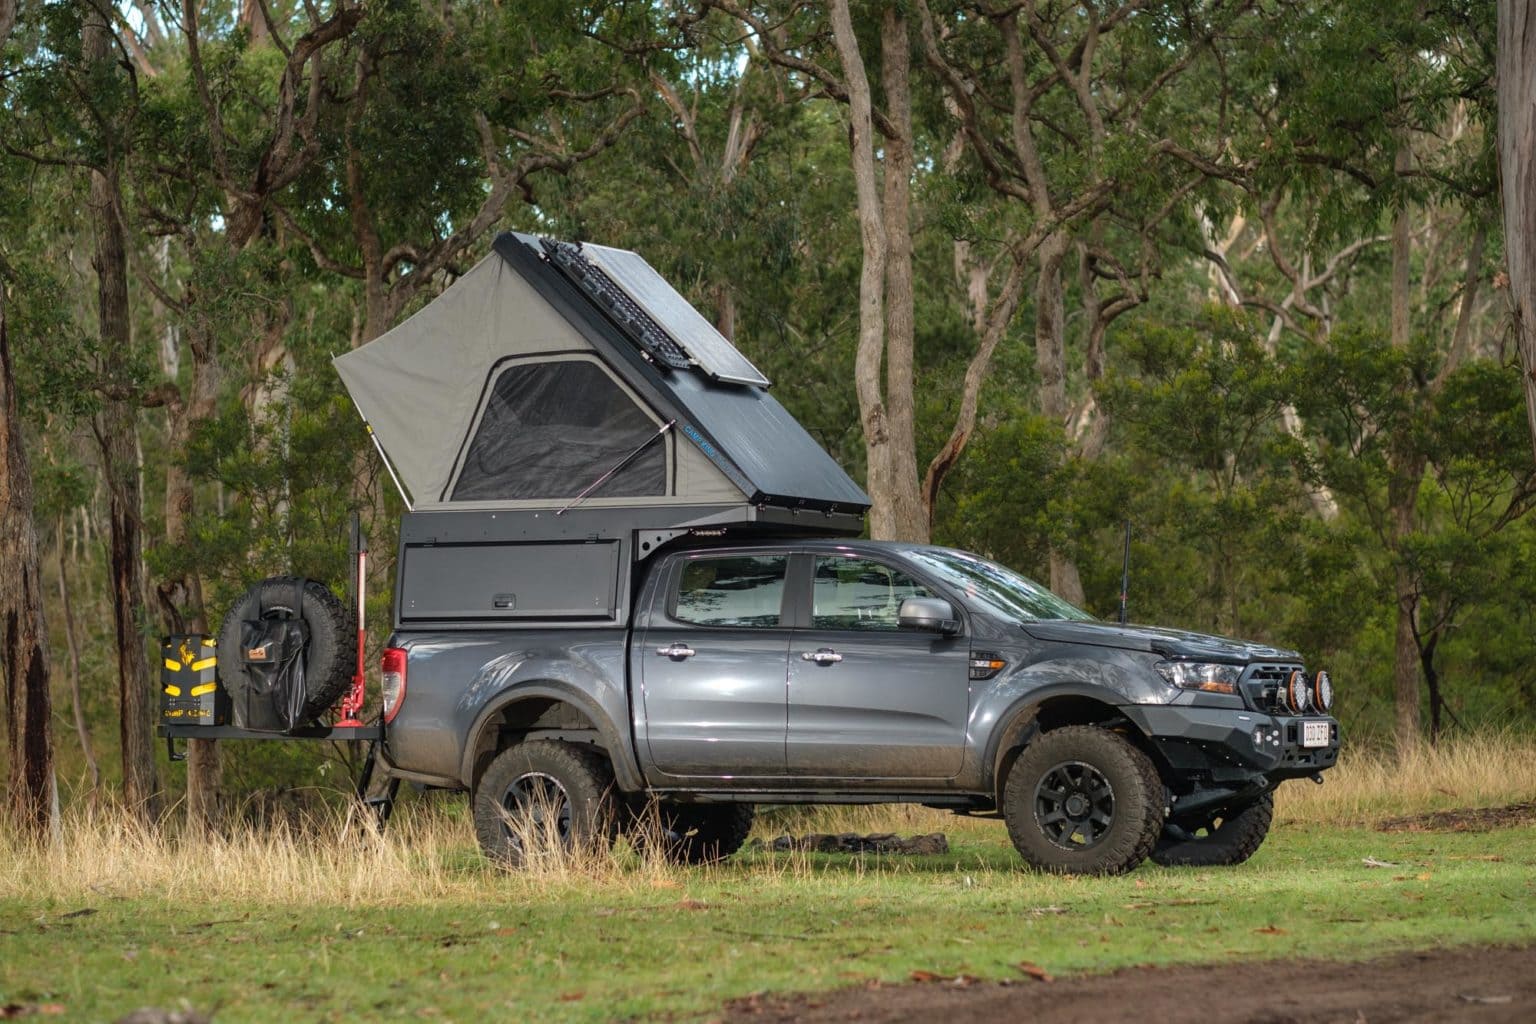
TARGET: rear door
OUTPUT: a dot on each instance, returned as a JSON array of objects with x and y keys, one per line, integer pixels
[
  {"x": 867, "y": 699},
  {"x": 713, "y": 666}
]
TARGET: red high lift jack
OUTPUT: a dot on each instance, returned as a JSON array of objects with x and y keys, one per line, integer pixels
[{"x": 353, "y": 702}]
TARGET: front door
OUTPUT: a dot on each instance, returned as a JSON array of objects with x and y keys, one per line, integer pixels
[
  {"x": 712, "y": 663},
  {"x": 868, "y": 699}
]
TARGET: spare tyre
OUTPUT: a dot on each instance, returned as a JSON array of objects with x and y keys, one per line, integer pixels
[{"x": 330, "y": 657}]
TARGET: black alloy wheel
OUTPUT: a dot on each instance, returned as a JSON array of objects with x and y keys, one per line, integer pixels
[
  {"x": 1083, "y": 800},
  {"x": 541, "y": 804},
  {"x": 1074, "y": 805},
  {"x": 544, "y": 797}
]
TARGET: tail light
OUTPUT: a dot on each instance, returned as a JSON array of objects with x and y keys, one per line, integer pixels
[{"x": 392, "y": 681}]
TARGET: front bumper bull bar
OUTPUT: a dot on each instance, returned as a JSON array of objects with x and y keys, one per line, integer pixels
[{"x": 1269, "y": 745}]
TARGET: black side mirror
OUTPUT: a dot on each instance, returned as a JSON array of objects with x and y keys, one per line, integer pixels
[{"x": 929, "y": 614}]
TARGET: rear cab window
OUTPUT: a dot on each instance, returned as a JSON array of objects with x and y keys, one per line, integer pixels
[{"x": 730, "y": 591}]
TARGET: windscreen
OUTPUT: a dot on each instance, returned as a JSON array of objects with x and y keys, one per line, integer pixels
[
  {"x": 550, "y": 429},
  {"x": 1000, "y": 591}
]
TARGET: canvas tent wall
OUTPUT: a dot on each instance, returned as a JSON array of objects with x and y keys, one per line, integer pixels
[{"x": 542, "y": 369}]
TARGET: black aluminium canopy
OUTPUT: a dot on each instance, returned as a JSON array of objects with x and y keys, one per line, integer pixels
[{"x": 549, "y": 364}]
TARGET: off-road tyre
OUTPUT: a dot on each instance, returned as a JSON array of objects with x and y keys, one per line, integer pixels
[
  {"x": 330, "y": 658},
  {"x": 1082, "y": 800},
  {"x": 1221, "y": 842},
  {"x": 544, "y": 776},
  {"x": 691, "y": 833}
]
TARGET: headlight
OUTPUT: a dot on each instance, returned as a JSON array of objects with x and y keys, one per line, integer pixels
[
  {"x": 1322, "y": 692},
  {"x": 1296, "y": 694},
  {"x": 1206, "y": 676}
]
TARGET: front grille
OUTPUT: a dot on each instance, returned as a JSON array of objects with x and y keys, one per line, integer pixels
[{"x": 1260, "y": 685}]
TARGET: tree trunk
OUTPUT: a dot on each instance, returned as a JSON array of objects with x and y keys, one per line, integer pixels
[
  {"x": 907, "y": 518},
  {"x": 181, "y": 597},
  {"x": 725, "y": 311},
  {"x": 254, "y": 22},
  {"x": 1516, "y": 65},
  {"x": 1406, "y": 467},
  {"x": 7, "y": 19},
  {"x": 23, "y": 633},
  {"x": 1051, "y": 365},
  {"x": 873, "y": 415},
  {"x": 117, "y": 435},
  {"x": 990, "y": 324},
  {"x": 1432, "y": 683},
  {"x": 72, "y": 644}
]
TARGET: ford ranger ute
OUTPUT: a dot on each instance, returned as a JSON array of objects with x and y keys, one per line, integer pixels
[
  {"x": 833, "y": 672},
  {"x": 628, "y": 579}
]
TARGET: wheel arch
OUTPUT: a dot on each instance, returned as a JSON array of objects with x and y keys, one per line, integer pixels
[
  {"x": 544, "y": 706},
  {"x": 1053, "y": 708}
]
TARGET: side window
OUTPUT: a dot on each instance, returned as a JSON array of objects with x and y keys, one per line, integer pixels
[
  {"x": 856, "y": 593},
  {"x": 736, "y": 590},
  {"x": 550, "y": 429}
]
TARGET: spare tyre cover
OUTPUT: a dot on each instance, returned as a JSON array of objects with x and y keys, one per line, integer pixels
[{"x": 330, "y": 656}]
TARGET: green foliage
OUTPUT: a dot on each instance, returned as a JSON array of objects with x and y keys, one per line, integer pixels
[{"x": 1227, "y": 434}]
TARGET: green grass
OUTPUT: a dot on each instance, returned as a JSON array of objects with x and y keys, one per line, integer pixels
[{"x": 663, "y": 943}]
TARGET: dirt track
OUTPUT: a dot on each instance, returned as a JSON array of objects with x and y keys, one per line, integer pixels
[{"x": 1478, "y": 984}]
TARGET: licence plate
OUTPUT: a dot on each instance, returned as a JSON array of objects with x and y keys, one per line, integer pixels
[{"x": 1316, "y": 734}]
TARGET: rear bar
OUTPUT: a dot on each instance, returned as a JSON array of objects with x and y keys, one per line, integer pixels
[{"x": 337, "y": 733}]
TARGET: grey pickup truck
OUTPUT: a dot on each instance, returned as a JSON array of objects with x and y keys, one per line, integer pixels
[{"x": 628, "y": 578}]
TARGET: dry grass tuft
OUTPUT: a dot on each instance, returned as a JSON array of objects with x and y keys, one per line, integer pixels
[
  {"x": 1485, "y": 770},
  {"x": 337, "y": 856},
  {"x": 429, "y": 853}
]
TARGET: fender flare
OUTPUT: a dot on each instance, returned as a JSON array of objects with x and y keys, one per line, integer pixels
[
  {"x": 620, "y": 754},
  {"x": 1019, "y": 718}
]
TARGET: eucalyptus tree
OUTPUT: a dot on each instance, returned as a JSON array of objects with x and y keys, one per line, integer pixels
[
  {"x": 1373, "y": 120},
  {"x": 1091, "y": 120},
  {"x": 1517, "y": 164},
  {"x": 226, "y": 119},
  {"x": 24, "y": 655},
  {"x": 449, "y": 114},
  {"x": 839, "y": 55},
  {"x": 107, "y": 94}
]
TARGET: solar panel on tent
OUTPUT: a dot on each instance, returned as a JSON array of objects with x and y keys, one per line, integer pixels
[
  {"x": 664, "y": 306},
  {"x": 635, "y": 322}
]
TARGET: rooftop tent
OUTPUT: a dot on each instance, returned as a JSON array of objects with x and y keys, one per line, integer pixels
[{"x": 551, "y": 372}]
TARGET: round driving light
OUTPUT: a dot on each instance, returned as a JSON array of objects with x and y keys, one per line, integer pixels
[
  {"x": 1296, "y": 693},
  {"x": 1322, "y": 690}
]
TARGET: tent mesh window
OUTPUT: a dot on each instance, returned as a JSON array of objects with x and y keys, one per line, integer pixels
[{"x": 550, "y": 429}]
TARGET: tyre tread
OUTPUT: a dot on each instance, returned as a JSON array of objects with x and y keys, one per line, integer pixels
[
  {"x": 1238, "y": 839},
  {"x": 581, "y": 768},
  {"x": 1131, "y": 848}
]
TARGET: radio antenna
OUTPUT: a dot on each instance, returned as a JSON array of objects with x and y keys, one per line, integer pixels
[{"x": 1125, "y": 573}]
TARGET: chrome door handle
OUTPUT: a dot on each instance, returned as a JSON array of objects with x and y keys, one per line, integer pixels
[
  {"x": 676, "y": 651},
  {"x": 825, "y": 656}
]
